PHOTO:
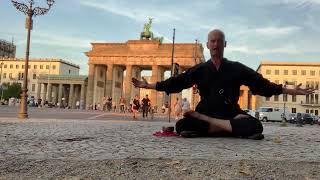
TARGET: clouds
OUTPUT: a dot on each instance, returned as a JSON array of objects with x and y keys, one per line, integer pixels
[{"x": 254, "y": 30}]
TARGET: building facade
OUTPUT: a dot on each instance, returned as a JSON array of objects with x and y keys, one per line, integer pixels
[
  {"x": 12, "y": 70},
  {"x": 294, "y": 73},
  {"x": 7, "y": 49}
]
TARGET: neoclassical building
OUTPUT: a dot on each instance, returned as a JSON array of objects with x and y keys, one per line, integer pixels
[
  {"x": 306, "y": 73},
  {"x": 12, "y": 70},
  {"x": 108, "y": 62}
]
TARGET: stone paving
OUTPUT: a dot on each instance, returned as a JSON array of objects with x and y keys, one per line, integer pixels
[{"x": 104, "y": 148}]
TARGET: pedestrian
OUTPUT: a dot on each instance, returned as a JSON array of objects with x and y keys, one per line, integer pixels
[
  {"x": 177, "y": 109},
  {"x": 135, "y": 107},
  {"x": 185, "y": 105},
  {"x": 122, "y": 103},
  {"x": 145, "y": 106},
  {"x": 219, "y": 80}
]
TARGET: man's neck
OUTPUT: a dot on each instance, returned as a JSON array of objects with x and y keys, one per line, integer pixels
[{"x": 216, "y": 61}]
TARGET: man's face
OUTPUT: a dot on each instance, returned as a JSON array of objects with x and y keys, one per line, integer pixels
[{"x": 216, "y": 44}]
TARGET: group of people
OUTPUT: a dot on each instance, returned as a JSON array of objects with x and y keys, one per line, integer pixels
[
  {"x": 136, "y": 105},
  {"x": 181, "y": 108}
]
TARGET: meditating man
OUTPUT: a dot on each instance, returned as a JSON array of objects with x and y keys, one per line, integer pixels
[{"x": 219, "y": 81}]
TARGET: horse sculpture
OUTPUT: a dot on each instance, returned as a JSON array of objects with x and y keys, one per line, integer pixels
[{"x": 147, "y": 34}]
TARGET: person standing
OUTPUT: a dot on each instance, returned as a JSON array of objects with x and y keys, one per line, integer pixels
[
  {"x": 177, "y": 109},
  {"x": 122, "y": 104},
  {"x": 145, "y": 106},
  {"x": 185, "y": 105},
  {"x": 135, "y": 106}
]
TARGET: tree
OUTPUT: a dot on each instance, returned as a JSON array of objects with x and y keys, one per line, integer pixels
[{"x": 13, "y": 90}]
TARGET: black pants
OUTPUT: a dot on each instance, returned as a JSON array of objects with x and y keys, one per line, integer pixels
[
  {"x": 122, "y": 108},
  {"x": 145, "y": 110},
  {"x": 240, "y": 127}
]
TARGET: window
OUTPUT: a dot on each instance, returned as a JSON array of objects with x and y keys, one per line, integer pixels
[
  {"x": 33, "y": 87},
  {"x": 4, "y": 75},
  {"x": 22, "y": 74},
  {"x": 294, "y": 72},
  {"x": 307, "y": 99},
  {"x": 11, "y": 66},
  {"x": 54, "y": 67},
  {"x": 303, "y": 72},
  {"x": 10, "y": 75},
  {"x": 293, "y": 110},
  {"x": 276, "y": 72},
  {"x": 276, "y": 98},
  {"x": 41, "y": 66},
  {"x": 285, "y": 97},
  {"x": 34, "y": 66},
  {"x": 17, "y": 66},
  {"x": 317, "y": 86},
  {"x": 316, "y": 97},
  {"x": 267, "y": 98},
  {"x": 307, "y": 110},
  {"x": 268, "y": 71},
  {"x": 294, "y": 98},
  {"x": 5, "y": 66},
  {"x": 285, "y": 72},
  {"x": 312, "y": 73},
  {"x": 69, "y": 71},
  {"x": 316, "y": 112},
  {"x": 22, "y": 66},
  {"x": 34, "y": 76},
  {"x": 47, "y": 66}
]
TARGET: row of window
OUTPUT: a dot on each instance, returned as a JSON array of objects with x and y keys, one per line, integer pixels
[
  {"x": 20, "y": 76},
  {"x": 311, "y": 111},
  {"x": 5, "y": 66},
  {"x": 312, "y": 84},
  {"x": 310, "y": 99},
  {"x": 293, "y": 72}
]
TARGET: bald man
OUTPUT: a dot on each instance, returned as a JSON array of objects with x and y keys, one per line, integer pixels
[{"x": 219, "y": 81}]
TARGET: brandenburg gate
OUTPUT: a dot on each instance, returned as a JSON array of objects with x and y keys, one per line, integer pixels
[{"x": 108, "y": 62}]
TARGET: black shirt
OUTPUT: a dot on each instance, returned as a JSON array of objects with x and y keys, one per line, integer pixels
[
  {"x": 220, "y": 89},
  {"x": 145, "y": 102}
]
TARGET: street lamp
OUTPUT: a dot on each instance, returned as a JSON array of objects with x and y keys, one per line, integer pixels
[
  {"x": 284, "y": 119},
  {"x": 30, "y": 11}
]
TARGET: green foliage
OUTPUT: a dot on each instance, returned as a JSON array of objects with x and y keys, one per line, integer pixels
[{"x": 13, "y": 90}]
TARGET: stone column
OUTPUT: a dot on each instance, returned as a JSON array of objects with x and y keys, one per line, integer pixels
[
  {"x": 71, "y": 91},
  {"x": 128, "y": 84},
  {"x": 44, "y": 95},
  {"x": 82, "y": 100},
  {"x": 89, "y": 99},
  {"x": 49, "y": 92},
  {"x": 55, "y": 94},
  {"x": 154, "y": 79},
  {"x": 39, "y": 91},
  {"x": 75, "y": 96},
  {"x": 109, "y": 80},
  {"x": 245, "y": 98},
  {"x": 60, "y": 91}
]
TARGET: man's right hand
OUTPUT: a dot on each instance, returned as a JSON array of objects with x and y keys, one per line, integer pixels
[{"x": 139, "y": 84}]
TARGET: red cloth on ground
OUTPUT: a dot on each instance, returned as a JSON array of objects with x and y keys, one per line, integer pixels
[{"x": 165, "y": 134}]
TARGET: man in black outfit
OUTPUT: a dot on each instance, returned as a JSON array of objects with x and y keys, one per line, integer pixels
[
  {"x": 219, "y": 81},
  {"x": 145, "y": 106}
]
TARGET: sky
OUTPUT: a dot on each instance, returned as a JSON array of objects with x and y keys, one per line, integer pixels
[{"x": 276, "y": 30}]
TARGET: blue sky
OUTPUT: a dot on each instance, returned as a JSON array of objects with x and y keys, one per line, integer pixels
[{"x": 278, "y": 30}]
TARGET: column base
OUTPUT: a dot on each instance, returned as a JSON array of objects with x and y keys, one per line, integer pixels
[{"x": 22, "y": 115}]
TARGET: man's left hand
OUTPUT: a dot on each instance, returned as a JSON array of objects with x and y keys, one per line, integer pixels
[{"x": 300, "y": 91}]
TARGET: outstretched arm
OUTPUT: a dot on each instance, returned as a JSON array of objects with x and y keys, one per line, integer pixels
[{"x": 298, "y": 90}]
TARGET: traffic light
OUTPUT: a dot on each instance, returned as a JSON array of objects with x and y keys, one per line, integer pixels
[{"x": 175, "y": 69}]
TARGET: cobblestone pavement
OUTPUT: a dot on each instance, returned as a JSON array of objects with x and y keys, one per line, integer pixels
[{"x": 40, "y": 141}]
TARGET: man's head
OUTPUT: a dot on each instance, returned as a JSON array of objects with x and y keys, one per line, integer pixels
[{"x": 216, "y": 43}]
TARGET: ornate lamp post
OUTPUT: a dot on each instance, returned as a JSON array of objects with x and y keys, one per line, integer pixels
[{"x": 30, "y": 11}]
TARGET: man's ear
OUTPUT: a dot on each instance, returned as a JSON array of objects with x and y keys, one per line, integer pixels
[
  {"x": 208, "y": 45},
  {"x": 225, "y": 43}
]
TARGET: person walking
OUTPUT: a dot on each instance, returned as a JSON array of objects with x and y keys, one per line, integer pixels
[
  {"x": 135, "y": 107},
  {"x": 145, "y": 106}
]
